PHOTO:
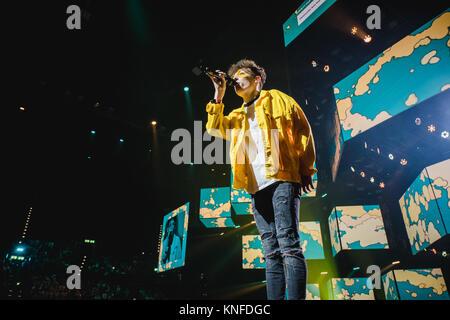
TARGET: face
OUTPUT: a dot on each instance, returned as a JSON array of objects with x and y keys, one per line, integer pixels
[
  {"x": 170, "y": 226},
  {"x": 247, "y": 83}
]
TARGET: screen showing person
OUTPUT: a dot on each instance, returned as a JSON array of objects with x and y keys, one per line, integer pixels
[{"x": 173, "y": 239}]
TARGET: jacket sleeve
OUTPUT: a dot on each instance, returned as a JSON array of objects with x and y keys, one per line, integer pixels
[
  {"x": 305, "y": 141},
  {"x": 217, "y": 124}
]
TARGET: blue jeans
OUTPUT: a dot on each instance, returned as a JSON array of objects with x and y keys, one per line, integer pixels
[{"x": 276, "y": 213}]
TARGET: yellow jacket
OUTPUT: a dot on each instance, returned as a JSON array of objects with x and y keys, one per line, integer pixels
[{"x": 289, "y": 147}]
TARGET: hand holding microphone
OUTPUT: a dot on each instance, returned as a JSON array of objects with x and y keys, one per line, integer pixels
[
  {"x": 220, "y": 84},
  {"x": 219, "y": 78}
]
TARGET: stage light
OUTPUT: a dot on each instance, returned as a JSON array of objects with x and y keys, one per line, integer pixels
[
  {"x": 372, "y": 179},
  {"x": 367, "y": 39},
  {"x": 186, "y": 89},
  {"x": 444, "y": 134},
  {"x": 381, "y": 185},
  {"x": 353, "y": 169},
  {"x": 355, "y": 268},
  {"x": 324, "y": 195},
  {"x": 326, "y": 68},
  {"x": 354, "y": 30},
  {"x": 121, "y": 140},
  {"x": 403, "y": 162},
  {"x": 363, "y": 174},
  {"x": 391, "y": 156},
  {"x": 314, "y": 63},
  {"x": 153, "y": 123},
  {"x": 444, "y": 254},
  {"x": 20, "y": 249},
  {"x": 418, "y": 121},
  {"x": 92, "y": 131},
  {"x": 431, "y": 128},
  {"x": 395, "y": 262},
  {"x": 324, "y": 272},
  {"x": 21, "y": 108}
]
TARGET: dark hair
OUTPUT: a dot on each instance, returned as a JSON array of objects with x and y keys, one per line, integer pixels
[
  {"x": 175, "y": 225},
  {"x": 251, "y": 65}
]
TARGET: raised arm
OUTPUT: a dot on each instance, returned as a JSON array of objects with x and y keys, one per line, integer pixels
[{"x": 218, "y": 124}]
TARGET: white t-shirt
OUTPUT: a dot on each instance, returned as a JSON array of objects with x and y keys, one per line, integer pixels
[{"x": 256, "y": 149}]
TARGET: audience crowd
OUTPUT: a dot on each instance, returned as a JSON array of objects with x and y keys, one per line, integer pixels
[{"x": 38, "y": 271}]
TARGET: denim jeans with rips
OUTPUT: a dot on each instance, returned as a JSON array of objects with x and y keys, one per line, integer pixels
[{"x": 276, "y": 213}]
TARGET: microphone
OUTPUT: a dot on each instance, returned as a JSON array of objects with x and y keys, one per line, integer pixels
[{"x": 202, "y": 69}]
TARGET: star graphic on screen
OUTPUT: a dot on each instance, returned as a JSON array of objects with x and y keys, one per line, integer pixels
[{"x": 367, "y": 39}]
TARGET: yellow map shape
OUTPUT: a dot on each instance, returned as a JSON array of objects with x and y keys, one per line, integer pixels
[
  {"x": 248, "y": 253},
  {"x": 403, "y": 48},
  {"x": 206, "y": 213},
  {"x": 421, "y": 281},
  {"x": 313, "y": 229}
]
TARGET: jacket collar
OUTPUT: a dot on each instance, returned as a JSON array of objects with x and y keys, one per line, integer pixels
[{"x": 263, "y": 94}]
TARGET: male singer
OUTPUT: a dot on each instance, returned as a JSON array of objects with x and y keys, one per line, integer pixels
[{"x": 272, "y": 156}]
